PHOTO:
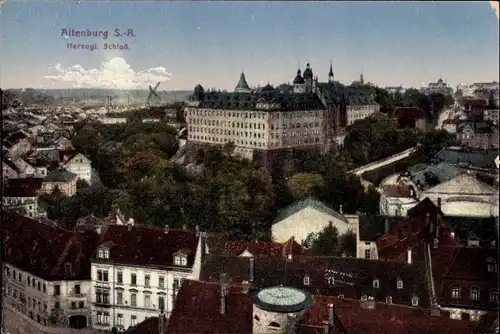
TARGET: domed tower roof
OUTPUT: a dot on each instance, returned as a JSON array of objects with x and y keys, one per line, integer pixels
[
  {"x": 282, "y": 299},
  {"x": 242, "y": 86},
  {"x": 298, "y": 79},
  {"x": 308, "y": 74}
]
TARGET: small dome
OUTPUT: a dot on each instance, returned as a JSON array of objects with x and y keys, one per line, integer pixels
[
  {"x": 283, "y": 299},
  {"x": 308, "y": 74},
  {"x": 298, "y": 79}
]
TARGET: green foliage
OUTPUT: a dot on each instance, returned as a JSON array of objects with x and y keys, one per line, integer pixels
[
  {"x": 431, "y": 144},
  {"x": 327, "y": 241},
  {"x": 348, "y": 244},
  {"x": 377, "y": 175},
  {"x": 303, "y": 185}
]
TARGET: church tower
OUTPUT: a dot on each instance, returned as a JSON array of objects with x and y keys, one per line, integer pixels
[
  {"x": 308, "y": 78},
  {"x": 330, "y": 74},
  {"x": 361, "y": 80}
]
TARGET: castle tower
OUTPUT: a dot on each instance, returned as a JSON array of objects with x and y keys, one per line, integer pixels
[
  {"x": 277, "y": 308},
  {"x": 242, "y": 86},
  {"x": 298, "y": 83},
  {"x": 308, "y": 78}
]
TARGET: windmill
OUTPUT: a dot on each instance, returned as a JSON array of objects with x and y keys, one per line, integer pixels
[{"x": 153, "y": 95}]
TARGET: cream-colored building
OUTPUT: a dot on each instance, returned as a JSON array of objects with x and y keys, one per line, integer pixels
[{"x": 137, "y": 271}]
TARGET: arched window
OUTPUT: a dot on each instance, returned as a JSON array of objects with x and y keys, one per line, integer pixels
[
  {"x": 474, "y": 293},
  {"x": 455, "y": 292},
  {"x": 274, "y": 324},
  {"x": 376, "y": 283}
]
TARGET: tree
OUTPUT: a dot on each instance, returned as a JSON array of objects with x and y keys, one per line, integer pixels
[
  {"x": 303, "y": 185},
  {"x": 348, "y": 244},
  {"x": 327, "y": 241}
]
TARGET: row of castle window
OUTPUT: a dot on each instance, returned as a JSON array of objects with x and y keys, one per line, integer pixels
[
  {"x": 221, "y": 113},
  {"x": 212, "y": 122},
  {"x": 474, "y": 293},
  {"x": 225, "y": 140},
  {"x": 296, "y": 125},
  {"x": 30, "y": 281}
]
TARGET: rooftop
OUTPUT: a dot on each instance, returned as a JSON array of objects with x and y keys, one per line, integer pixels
[
  {"x": 309, "y": 202},
  {"x": 282, "y": 299}
]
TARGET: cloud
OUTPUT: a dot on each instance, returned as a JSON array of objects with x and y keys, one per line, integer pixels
[
  {"x": 496, "y": 7},
  {"x": 115, "y": 74}
]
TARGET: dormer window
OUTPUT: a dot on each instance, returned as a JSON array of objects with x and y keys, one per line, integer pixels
[
  {"x": 103, "y": 253},
  {"x": 494, "y": 296},
  {"x": 364, "y": 298},
  {"x": 307, "y": 280},
  {"x": 180, "y": 260},
  {"x": 67, "y": 268},
  {"x": 491, "y": 265},
  {"x": 414, "y": 301},
  {"x": 455, "y": 292},
  {"x": 474, "y": 293},
  {"x": 399, "y": 284},
  {"x": 388, "y": 300},
  {"x": 376, "y": 283}
]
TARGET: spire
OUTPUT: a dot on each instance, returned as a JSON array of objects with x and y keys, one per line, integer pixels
[{"x": 242, "y": 86}]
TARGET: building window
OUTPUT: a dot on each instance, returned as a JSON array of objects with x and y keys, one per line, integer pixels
[
  {"x": 367, "y": 254},
  {"x": 161, "y": 303},
  {"x": 306, "y": 280},
  {"x": 474, "y": 293},
  {"x": 388, "y": 300},
  {"x": 455, "y": 292},
  {"x": 119, "y": 297},
  {"x": 133, "y": 299},
  {"x": 102, "y": 296},
  {"x": 57, "y": 290},
  {"x": 414, "y": 301},
  {"x": 133, "y": 279},
  {"x": 274, "y": 325},
  {"x": 161, "y": 282},
  {"x": 102, "y": 275},
  {"x": 376, "y": 283},
  {"x": 133, "y": 320},
  {"x": 119, "y": 277},
  {"x": 44, "y": 287},
  {"x": 400, "y": 284},
  {"x": 180, "y": 260},
  {"x": 176, "y": 286},
  {"x": 147, "y": 281},
  {"x": 494, "y": 296},
  {"x": 492, "y": 266},
  {"x": 147, "y": 301},
  {"x": 119, "y": 319},
  {"x": 100, "y": 253},
  {"x": 102, "y": 318}
]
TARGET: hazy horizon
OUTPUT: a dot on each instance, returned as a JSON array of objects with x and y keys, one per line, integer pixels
[{"x": 182, "y": 44}]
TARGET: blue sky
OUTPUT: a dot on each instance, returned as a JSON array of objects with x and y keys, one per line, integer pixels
[{"x": 210, "y": 43}]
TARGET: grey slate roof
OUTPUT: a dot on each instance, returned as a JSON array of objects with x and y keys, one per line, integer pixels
[
  {"x": 477, "y": 158},
  {"x": 334, "y": 92},
  {"x": 373, "y": 226},
  {"x": 242, "y": 86},
  {"x": 309, "y": 202},
  {"x": 434, "y": 175},
  {"x": 60, "y": 175},
  {"x": 477, "y": 127},
  {"x": 248, "y": 101}
]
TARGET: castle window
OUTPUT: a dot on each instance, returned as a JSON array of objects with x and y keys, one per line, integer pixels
[
  {"x": 455, "y": 292},
  {"x": 414, "y": 301},
  {"x": 306, "y": 280},
  {"x": 474, "y": 293},
  {"x": 388, "y": 300},
  {"x": 400, "y": 284},
  {"x": 274, "y": 325},
  {"x": 180, "y": 260},
  {"x": 256, "y": 317},
  {"x": 494, "y": 296},
  {"x": 376, "y": 283}
]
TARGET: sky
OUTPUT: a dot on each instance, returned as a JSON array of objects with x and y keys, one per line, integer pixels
[{"x": 182, "y": 44}]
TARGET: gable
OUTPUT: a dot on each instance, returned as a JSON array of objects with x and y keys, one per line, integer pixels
[
  {"x": 464, "y": 183},
  {"x": 79, "y": 158},
  {"x": 246, "y": 253}
]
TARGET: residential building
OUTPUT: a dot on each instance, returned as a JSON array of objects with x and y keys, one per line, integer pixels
[
  {"x": 451, "y": 124},
  {"x": 411, "y": 118},
  {"x": 305, "y": 218},
  {"x": 396, "y": 199},
  {"x": 46, "y": 271},
  {"x": 478, "y": 135},
  {"x": 81, "y": 166},
  {"x": 474, "y": 231},
  {"x": 371, "y": 227},
  {"x": 491, "y": 115},
  {"x": 137, "y": 271},
  {"x": 467, "y": 158},
  {"x": 9, "y": 170},
  {"x": 285, "y": 250},
  {"x": 61, "y": 179},
  {"x": 17, "y": 144},
  {"x": 21, "y": 195}
]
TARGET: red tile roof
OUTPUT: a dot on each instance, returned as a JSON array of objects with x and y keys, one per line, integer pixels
[
  {"x": 350, "y": 317},
  {"x": 198, "y": 310},
  {"x": 263, "y": 249},
  {"x": 149, "y": 326},
  {"x": 408, "y": 113},
  {"x": 27, "y": 187},
  {"x": 148, "y": 246},
  {"x": 43, "y": 250}
]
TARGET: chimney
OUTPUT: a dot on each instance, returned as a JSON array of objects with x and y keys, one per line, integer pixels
[
  {"x": 436, "y": 237},
  {"x": 408, "y": 255},
  {"x": 331, "y": 315},
  {"x": 167, "y": 228},
  {"x": 197, "y": 231},
  {"x": 252, "y": 266},
  {"x": 439, "y": 203},
  {"x": 340, "y": 209},
  {"x": 326, "y": 327},
  {"x": 223, "y": 298},
  {"x": 386, "y": 226}
]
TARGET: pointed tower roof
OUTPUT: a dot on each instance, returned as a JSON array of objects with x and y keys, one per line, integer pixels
[
  {"x": 308, "y": 74},
  {"x": 330, "y": 74},
  {"x": 242, "y": 86}
]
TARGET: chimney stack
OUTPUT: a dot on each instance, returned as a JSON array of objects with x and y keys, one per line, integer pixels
[
  {"x": 340, "y": 209},
  {"x": 326, "y": 327},
  {"x": 331, "y": 315},
  {"x": 408, "y": 255},
  {"x": 197, "y": 231},
  {"x": 167, "y": 228},
  {"x": 223, "y": 298},
  {"x": 439, "y": 203},
  {"x": 386, "y": 226},
  {"x": 436, "y": 237},
  {"x": 252, "y": 266}
]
